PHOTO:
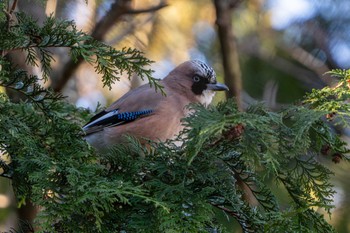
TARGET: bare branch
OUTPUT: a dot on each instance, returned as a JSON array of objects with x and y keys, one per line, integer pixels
[
  {"x": 321, "y": 39},
  {"x": 14, "y": 4},
  {"x": 148, "y": 10},
  {"x": 118, "y": 9},
  {"x": 308, "y": 60},
  {"x": 129, "y": 30},
  {"x": 232, "y": 72},
  {"x": 306, "y": 76}
]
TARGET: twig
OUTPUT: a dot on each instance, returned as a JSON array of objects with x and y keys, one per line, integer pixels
[
  {"x": 148, "y": 10},
  {"x": 245, "y": 227},
  {"x": 227, "y": 210},
  {"x": 322, "y": 39},
  {"x": 129, "y": 30},
  {"x": 308, "y": 60},
  {"x": 118, "y": 9},
  {"x": 14, "y": 4},
  {"x": 306, "y": 76},
  {"x": 8, "y": 14}
]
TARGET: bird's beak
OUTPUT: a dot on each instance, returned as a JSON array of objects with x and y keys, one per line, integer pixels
[{"x": 217, "y": 87}]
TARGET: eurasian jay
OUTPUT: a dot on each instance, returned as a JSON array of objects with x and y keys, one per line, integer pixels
[{"x": 146, "y": 114}]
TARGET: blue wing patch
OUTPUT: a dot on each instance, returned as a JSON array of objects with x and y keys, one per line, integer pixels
[
  {"x": 113, "y": 118},
  {"x": 130, "y": 116}
]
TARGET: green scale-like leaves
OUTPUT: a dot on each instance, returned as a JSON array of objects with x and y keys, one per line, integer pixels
[
  {"x": 35, "y": 40},
  {"x": 182, "y": 185}
]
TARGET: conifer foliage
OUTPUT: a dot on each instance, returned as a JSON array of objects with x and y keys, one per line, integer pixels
[{"x": 167, "y": 188}]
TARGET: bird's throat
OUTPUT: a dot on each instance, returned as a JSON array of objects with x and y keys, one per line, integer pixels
[{"x": 206, "y": 97}]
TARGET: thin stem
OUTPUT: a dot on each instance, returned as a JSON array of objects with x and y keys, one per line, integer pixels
[
  {"x": 147, "y": 10},
  {"x": 14, "y": 4}
]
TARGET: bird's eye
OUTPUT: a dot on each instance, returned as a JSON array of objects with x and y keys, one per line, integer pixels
[{"x": 196, "y": 78}]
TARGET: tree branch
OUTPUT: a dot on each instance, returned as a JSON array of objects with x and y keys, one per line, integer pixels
[
  {"x": 118, "y": 9},
  {"x": 307, "y": 77},
  {"x": 321, "y": 39},
  {"x": 232, "y": 72},
  {"x": 148, "y": 10},
  {"x": 14, "y": 4},
  {"x": 243, "y": 223},
  {"x": 227, "y": 210},
  {"x": 8, "y": 14}
]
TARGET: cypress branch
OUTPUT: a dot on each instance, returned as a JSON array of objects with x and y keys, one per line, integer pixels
[{"x": 165, "y": 187}]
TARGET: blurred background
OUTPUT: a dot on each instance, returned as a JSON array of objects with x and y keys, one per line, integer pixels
[{"x": 265, "y": 50}]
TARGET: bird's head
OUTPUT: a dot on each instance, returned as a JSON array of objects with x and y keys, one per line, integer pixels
[{"x": 200, "y": 79}]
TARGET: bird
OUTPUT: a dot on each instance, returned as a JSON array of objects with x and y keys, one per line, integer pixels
[{"x": 146, "y": 114}]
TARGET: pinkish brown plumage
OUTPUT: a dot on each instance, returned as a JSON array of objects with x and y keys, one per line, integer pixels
[{"x": 144, "y": 113}]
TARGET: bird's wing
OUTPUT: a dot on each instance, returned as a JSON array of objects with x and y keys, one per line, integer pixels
[{"x": 140, "y": 102}]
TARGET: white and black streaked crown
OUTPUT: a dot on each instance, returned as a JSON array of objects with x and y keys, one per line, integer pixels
[{"x": 205, "y": 71}]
